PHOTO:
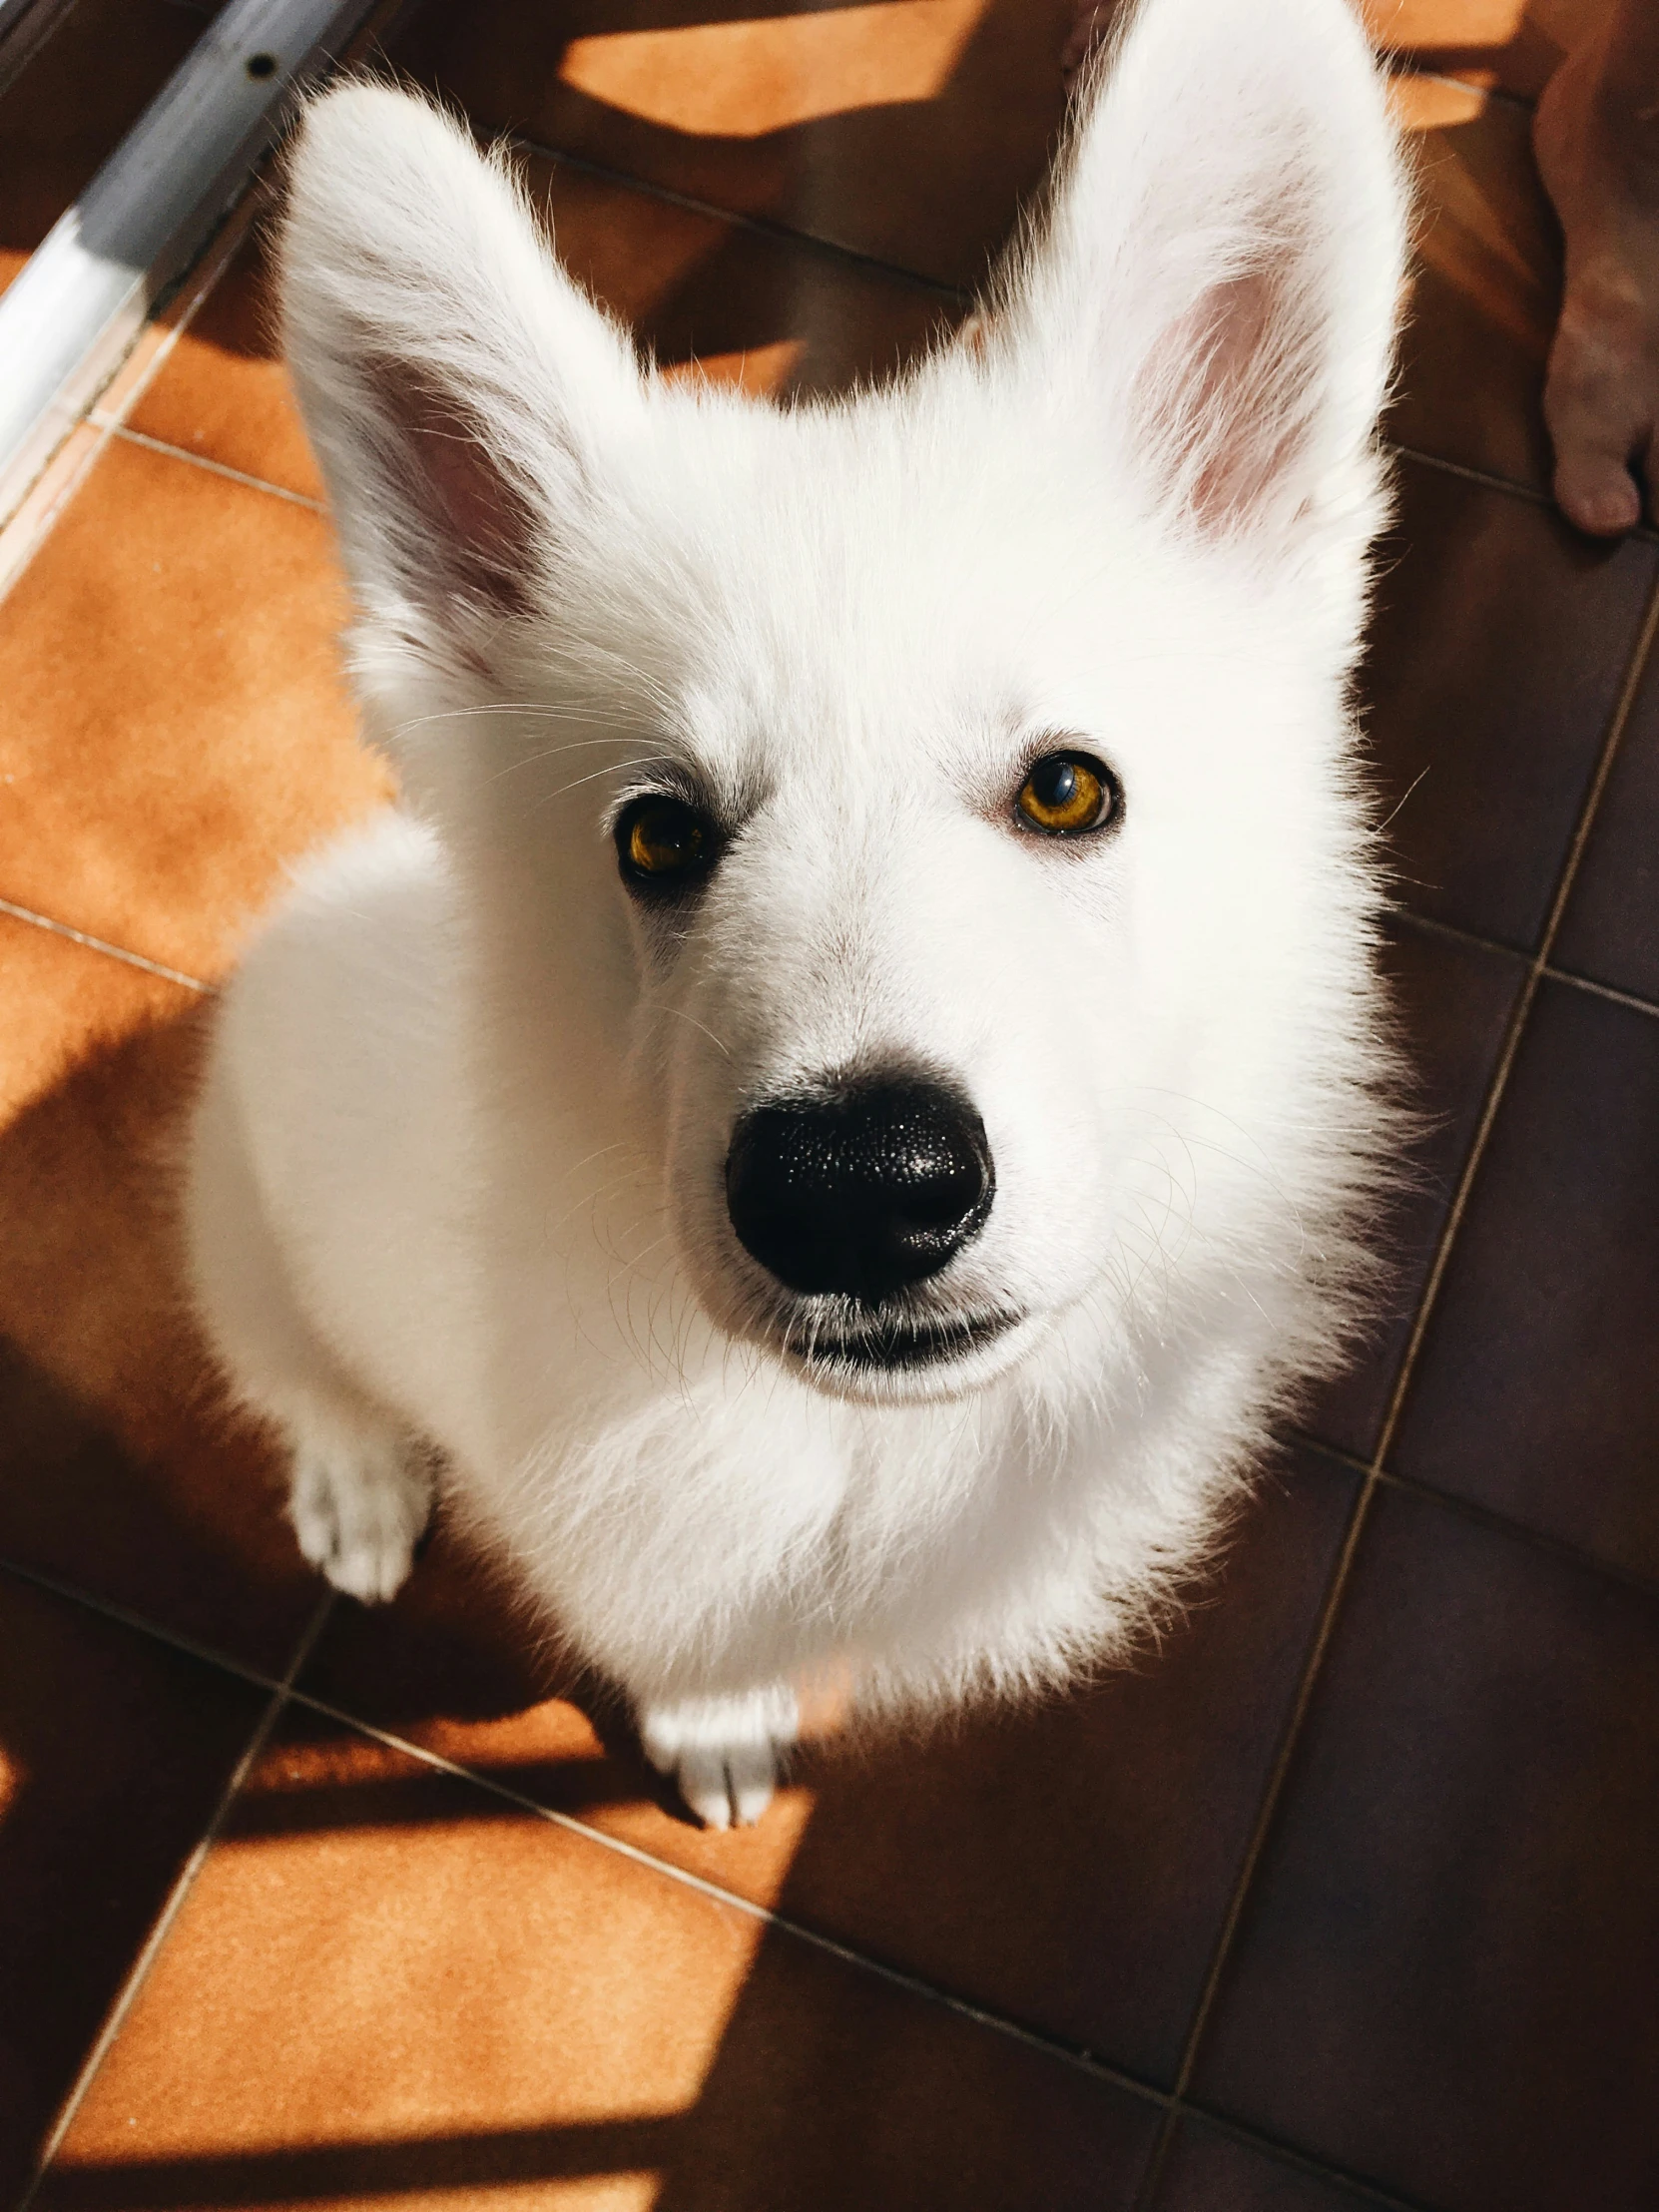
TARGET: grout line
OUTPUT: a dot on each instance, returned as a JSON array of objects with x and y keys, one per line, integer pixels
[
  {"x": 1457, "y": 931},
  {"x": 1337, "y": 1590},
  {"x": 1644, "y": 533},
  {"x": 200, "y": 460},
  {"x": 1560, "y": 1548},
  {"x": 286, "y": 1688},
  {"x": 1532, "y": 493},
  {"x": 1487, "y": 1516},
  {"x": 960, "y": 296},
  {"x": 140, "y": 1625},
  {"x": 139, "y": 1971},
  {"x": 284, "y": 1692},
  {"x": 1548, "y": 972},
  {"x": 1255, "y": 1844},
  {"x": 1083, "y": 2062},
  {"x": 102, "y": 945},
  {"x": 1299, "y": 2161}
]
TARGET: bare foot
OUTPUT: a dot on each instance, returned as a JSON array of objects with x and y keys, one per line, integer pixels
[{"x": 1597, "y": 135}]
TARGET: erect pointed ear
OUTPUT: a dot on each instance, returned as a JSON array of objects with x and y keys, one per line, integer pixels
[
  {"x": 456, "y": 385},
  {"x": 1218, "y": 277}
]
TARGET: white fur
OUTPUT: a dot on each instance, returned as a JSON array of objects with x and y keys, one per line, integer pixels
[{"x": 457, "y": 1170}]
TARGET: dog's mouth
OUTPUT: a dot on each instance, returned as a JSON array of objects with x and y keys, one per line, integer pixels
[{"x": 900, "y": 1347}]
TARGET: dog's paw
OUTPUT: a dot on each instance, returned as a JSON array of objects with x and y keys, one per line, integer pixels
[
  {"x": 726, "y": 1753},
  {"x": 359, "y": 1510}
]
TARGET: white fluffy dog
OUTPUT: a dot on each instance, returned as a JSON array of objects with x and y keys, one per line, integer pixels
[{"x": 834, "y": 1113}]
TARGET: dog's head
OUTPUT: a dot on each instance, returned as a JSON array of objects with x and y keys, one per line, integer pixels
[{"x": 920, "y": 823}]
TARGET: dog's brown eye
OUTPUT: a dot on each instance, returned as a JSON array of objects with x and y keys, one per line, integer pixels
[
  {"x": 1067, "y": 794},
  {"x": 662, "y": 841}
]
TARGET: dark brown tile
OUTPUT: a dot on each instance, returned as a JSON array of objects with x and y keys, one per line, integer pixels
[
  {"x": 73, "y": 103},
  {"x": 1539, "y": 1390},
  {"x": 1443, "y": 1979},
  {"x": 173, "y": 723},
  {"x": 1514, "y": 44},
  {"x": 1068, "y": 1867},
  {"x": 387, "y": 1980},
  {"x": 1207, "y": 2171},
  {"x": 118, "y": 1471},
  {"x": 911, "y": 131},
  {"x": 1498, "y": 648},
  {"x": 1453, "y": 1000},
  {"x": 114, "y": 1752},
  {"x": 1610, "y": 930},
  {"x": 1485, "y": 286}
]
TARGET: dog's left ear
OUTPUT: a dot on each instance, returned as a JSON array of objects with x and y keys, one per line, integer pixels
[
  {"x": 1216, "y": 284},
  {"x": 460, "y": 389}
]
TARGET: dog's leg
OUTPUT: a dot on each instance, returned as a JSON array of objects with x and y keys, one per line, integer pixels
[
  {"x": 360, "y": 1486},
  {"x": 726, "y": 1753}
]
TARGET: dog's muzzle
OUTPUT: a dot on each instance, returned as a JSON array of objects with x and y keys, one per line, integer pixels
[{"x": 861, "y": 1191}]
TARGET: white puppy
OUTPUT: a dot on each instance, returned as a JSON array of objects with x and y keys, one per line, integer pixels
[{"x": 839, "y": 1103}]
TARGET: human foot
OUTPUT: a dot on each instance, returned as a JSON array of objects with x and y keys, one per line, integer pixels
[{"x": 1596, "y": 137}]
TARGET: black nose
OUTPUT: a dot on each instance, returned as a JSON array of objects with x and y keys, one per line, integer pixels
[{"x": 863, "y": 1191}]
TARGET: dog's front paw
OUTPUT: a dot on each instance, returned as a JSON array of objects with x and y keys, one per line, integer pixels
[
  {"x": 358, "y": 1510},
  {"x": 726, "y": 1753}
]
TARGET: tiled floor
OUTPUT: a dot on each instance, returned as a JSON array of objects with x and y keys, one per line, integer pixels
[{"x": 1347, "y": 1895}]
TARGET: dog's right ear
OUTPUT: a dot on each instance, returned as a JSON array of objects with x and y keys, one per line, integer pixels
[
  {"x": 1213, "y": 293},
  {"x": 457, "y": 386}
]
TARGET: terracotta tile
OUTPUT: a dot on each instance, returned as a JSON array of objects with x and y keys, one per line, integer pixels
[
  {"x": 387, "y": 1979},
  {"x": 696, "y": 289},
  {"x": 114, "y": 1752},
  {"x": 1538, "y": 1392},
  {"x": 1610, "y": 930},
  {"x": 1514, "y": 44},
  {"x": 73, "y": 103},
  {"x": 1485, "y": 286},
  {"x": 910, "y": 129},
  {"x": 1068, "y": 1867},
  {"x": 1499, "y": 645},
  {"x": 1452, "y": 1001},
  {"x": 64, "y": 1002},
  {"x": 30, "y": 522},
  {"x": 1443, "y": 1980},
  {"x": 119, "y": 1473},
  {"x": 1207, "y": 2171},
  {"x": 742, "y": 304},
  {"x": 222, "y": 393},
  {"x": 172, "y": 722}
]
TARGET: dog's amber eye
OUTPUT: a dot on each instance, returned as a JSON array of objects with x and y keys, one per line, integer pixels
[
  {"x": 663, "y": 841},
  {"x": 1067, "y": 794}
]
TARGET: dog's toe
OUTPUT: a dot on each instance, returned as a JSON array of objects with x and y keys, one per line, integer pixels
[
  {"x": 724, "y": 1752},
  {"x": 701, "y": 1778},
  {"x": 358, "y": 1517},
  {"x": 751, "y": 1776}
]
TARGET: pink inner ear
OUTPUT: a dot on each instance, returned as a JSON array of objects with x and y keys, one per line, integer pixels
[
  {"x": 1228, "y": 397},
  {"x": 479, "y": 523}
]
